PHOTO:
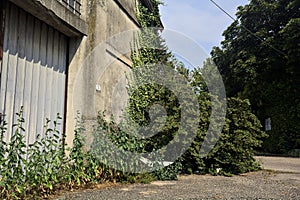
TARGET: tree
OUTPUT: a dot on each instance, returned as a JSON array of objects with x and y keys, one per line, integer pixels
[
  {"x": 242, "y": 129},
  {"x": 241, "y": 134},
  {"x": 259, "y": 60}
]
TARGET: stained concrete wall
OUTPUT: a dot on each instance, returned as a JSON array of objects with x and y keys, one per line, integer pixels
[
  {"x": 96, "y": 75},
  {"x": 95, "y": 60},
  {"x": 55, "y": 14}
]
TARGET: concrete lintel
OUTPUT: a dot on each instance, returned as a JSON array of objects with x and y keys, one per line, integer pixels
[
  {"x": 129, "y": 9},
  {"x": 55, "y": 14},
  {"x": 125, "y": 59}
]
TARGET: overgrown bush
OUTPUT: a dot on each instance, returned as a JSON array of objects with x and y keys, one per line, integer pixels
[
  {"x": 129, "y": 143},
  {"x": 241, "y": 135},
  {"x": 42, "y": 168},
  {"x": 234, "y": 152},
  {"x": 35, "y": 170}
]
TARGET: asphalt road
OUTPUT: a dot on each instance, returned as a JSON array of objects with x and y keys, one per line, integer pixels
[
  {"x": 280, "y": 181},
  {"x": 280, "y": 164}
]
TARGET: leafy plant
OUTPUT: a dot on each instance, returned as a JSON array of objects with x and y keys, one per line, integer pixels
[
  {"x": 13, "y": 161},
  {"x": 260, "y": 62},
  {"x": 46, "y": 160},
  {"x": 78, "y": 156},
  {"x": 234, "y": 152},
  {"x": 241, "y": 134}
]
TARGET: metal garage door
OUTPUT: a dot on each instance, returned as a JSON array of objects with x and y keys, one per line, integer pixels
[{"x": 33, "y": 72}]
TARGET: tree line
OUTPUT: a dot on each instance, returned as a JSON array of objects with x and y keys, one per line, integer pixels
[{"x": 259, "y": 60}]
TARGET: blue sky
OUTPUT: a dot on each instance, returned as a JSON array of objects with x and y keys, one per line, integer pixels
[{"x": 199, "y": 20}]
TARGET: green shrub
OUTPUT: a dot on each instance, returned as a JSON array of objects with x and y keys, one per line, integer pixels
[
  {"x": 234, "y": 152},
  {"x": 12, "y": 161},
  {"x": 34, "y": 170},
  {"x": 126, "y": 142},
  {"x": 241, "y": 134},
  {"x": 170, "y": 172},
  {"x": 42, "y": 168}
]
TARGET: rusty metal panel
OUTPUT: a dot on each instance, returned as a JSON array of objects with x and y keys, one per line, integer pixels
[{"x": 33, "y": 72}]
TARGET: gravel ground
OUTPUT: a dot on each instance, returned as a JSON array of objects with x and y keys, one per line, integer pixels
[{"x": 283, "y": 183}]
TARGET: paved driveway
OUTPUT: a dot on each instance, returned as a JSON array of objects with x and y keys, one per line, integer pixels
[
  {"x": 280, "y": 164},
  {"x": 283, "y": 184}
]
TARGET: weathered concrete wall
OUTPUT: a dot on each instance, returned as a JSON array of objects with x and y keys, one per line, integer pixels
[
  {"x": 98, "y": 56},
  {"x": 96, "y": 61},
  {"x": 56, "y": 15}
]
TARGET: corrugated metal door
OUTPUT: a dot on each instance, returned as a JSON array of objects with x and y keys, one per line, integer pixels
[{"x": 33, "y": 72}]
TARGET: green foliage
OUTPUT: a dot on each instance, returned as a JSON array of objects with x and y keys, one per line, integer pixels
[
  {"x": 169, "y": 172},
  {"x": 241, "y": 134},
  {"x": 78, "y": 156},
  {"x": 46, "y": 160},
  {"x": 42, "y": 168},
  {"x": 125, "y": 142},
  {"x": 13, "y": 160},
  {"x": 148, "y": 51},
  {"x": 149, "y": 17},
  {"x": 264, "y": 68},
  {"x": 3, "y": 144},
  {"x": 102, "y": 150},
  {"x": 29, "y": 170}
]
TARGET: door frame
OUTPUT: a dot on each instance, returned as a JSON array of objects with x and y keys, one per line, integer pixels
[{"x": 3, "y": 6}]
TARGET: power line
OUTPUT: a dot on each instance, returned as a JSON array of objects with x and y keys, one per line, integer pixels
[
  {"x": 223, "y": 10},
  {"x": 248, "y": 30}
]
